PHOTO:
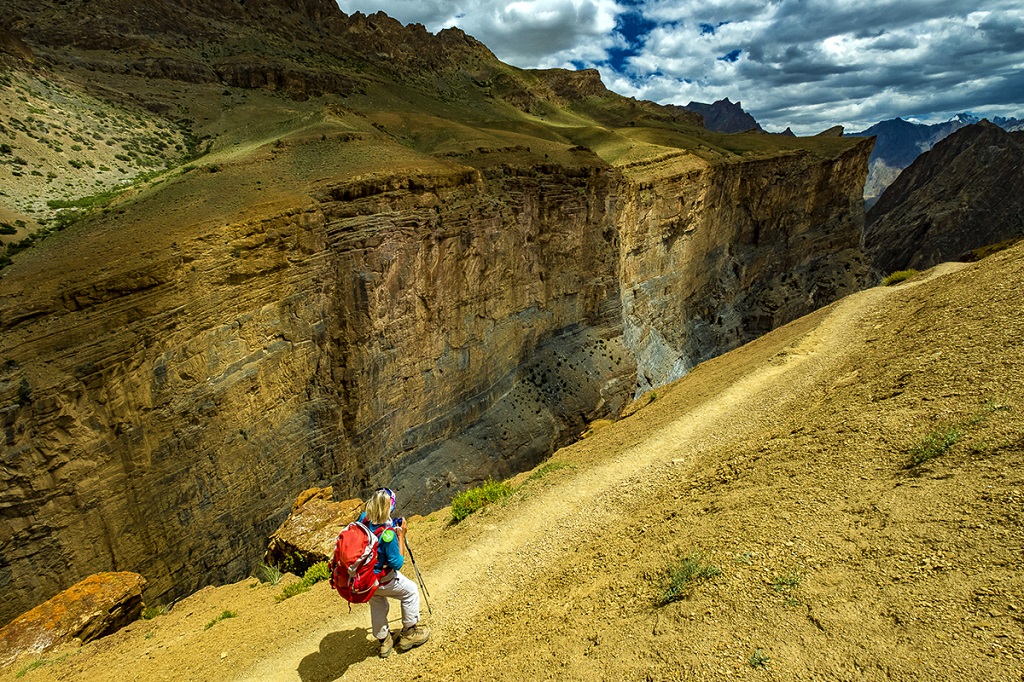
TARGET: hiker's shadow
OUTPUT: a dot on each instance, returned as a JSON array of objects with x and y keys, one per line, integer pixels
[{"x": 338, "y": 651}]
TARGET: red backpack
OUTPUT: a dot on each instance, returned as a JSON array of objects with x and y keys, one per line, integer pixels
[{"x": 354, "y": 566}]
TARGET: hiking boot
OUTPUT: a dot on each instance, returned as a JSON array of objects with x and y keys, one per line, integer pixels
[
  {"x": 386, "y": 645},
  {"x": 413, "y": 636}
]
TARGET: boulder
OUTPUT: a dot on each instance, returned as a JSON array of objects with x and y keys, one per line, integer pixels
[
  {"x": 97, "y": 606},
  {"x": 310, "y": 531}
]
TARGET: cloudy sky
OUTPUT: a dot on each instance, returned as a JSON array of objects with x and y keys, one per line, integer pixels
[{"x": 808, "y": 64}]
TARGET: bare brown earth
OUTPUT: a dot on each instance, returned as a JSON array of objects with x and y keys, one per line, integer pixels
[{"x": 784, "y": 463}]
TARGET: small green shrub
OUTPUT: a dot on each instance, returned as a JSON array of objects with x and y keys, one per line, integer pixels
[
  {"x": 314, "y": 574},
  {"x": 898, "y": 276},
  {"x": 291, "y": 590},
  {"x": 151, "y": 612},
  {"x": 469, "y": 501},
  {"x": 935, "y": 444},
  {"x": 758, "y": 659},
  {"x": 7, "y": 228},
  {"x": 224, "y": 615},
  {"x": 786, "y": 582},
  {"x": 317, "y": 572},
  {"x": 682, "y": 575}
]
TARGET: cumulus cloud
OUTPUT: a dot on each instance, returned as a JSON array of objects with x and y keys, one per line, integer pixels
[
  {"x": 808, "y": 64},
  {"x": 527, "y": 33}
]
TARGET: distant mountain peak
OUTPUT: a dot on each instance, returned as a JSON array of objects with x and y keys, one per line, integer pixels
[{"x": 724, "y": 116}]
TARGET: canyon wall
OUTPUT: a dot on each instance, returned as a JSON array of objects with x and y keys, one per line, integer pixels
[
  {"x": 164, "y": 409},
  {"x": 428, "y": 331},
  {"x": 715, "y": 255}
]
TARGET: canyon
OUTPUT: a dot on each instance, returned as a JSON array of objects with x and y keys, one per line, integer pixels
[{"x": 392, "y": 260}]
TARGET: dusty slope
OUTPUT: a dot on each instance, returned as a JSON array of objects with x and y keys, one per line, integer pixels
[{"x": 783, "y": 462}]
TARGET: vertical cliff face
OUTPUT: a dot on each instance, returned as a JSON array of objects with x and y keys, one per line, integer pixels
[
  {"x": 429, "y": 330},
  {"x": 715, "y": 255},
  {"x": 473, "y": 317}
]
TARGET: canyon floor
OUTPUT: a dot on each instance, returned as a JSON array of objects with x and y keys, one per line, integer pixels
[{"x": 786, "y": 464}]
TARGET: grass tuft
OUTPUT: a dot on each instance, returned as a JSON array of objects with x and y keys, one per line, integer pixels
[
  {"x": 682, "y": 575},
  {"x": 269, "y": 574},
  {"x": 935, "y": 444},
  {"x": 786, "y": 582},
  {"x": 224, "y": 615},
  {"x": 898, "y": 276},
  {"x": 474, "y": 499},
  {"x": 314, "y": 574},
  {"x": 151, "y": 612},
  {"x": 758, "y": 659},
  {"x": 549, "y": 468},
  {"x": 942, "y": 439}
]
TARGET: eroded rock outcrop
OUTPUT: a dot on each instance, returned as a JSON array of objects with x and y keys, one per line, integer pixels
[
  {"x": 97, "y": 606},
  {"x": 310, "y": 532},
  {"x": 714, "y": 256}
]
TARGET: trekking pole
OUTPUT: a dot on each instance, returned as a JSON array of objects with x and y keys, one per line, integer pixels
[{"x": 426, "y": 592}]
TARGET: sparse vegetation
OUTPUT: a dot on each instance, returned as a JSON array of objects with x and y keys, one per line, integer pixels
[
  {"x": 549, "y": 468},
  {"x": 314, "y": 574},
  {"x": 38, "y": 663},
  {"x": 269, "y": 574},
  {"x": 151, "y": 612},
  {"x": 758, "y": 659},
  {"x": 935, "y": 444},
  {"x": 681, "y": 576},
  {"x": 898, "y": 276},
  {"x": 744, "y": 558},
  {"x": 942, "y": 439},
  {"x": 786, "y": 581},
  {"x": 469, "y": 501},
  {"x": 224, "y": 615}
]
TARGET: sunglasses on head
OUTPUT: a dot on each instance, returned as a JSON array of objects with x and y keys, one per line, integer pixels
[{"x": 390, "y": 494}]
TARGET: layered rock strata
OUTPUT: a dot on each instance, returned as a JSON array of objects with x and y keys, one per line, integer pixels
[
  {"x": 426, "y": 331},
  {"x": 715, "y": 255}
]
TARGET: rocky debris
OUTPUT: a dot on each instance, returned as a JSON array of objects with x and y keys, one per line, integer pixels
[
  {"x": 725, "y": 117},
  {"x": 95, "y": 607},
  {"x": 309, "y": 533},
  {"x": 964, "y": 194}
]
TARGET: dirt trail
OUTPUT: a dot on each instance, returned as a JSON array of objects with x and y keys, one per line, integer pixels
[
  {"x": 492, "y": 559},
  {"x": 783, "y": 464}
]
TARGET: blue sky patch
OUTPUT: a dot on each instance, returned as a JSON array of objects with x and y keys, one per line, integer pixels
[
  {"x": 710, "y": 29},
  {"x": 634, "y": 27},
  {"x": 730, "y": 56}
]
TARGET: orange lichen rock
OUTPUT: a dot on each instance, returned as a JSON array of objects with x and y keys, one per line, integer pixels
[{"x": 98, "y": 605}]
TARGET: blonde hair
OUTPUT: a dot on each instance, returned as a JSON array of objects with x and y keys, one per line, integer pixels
[{"x": 378, "y": 508}]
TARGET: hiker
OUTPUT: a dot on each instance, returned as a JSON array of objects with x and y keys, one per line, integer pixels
[{"x": 390, "y": 559}]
